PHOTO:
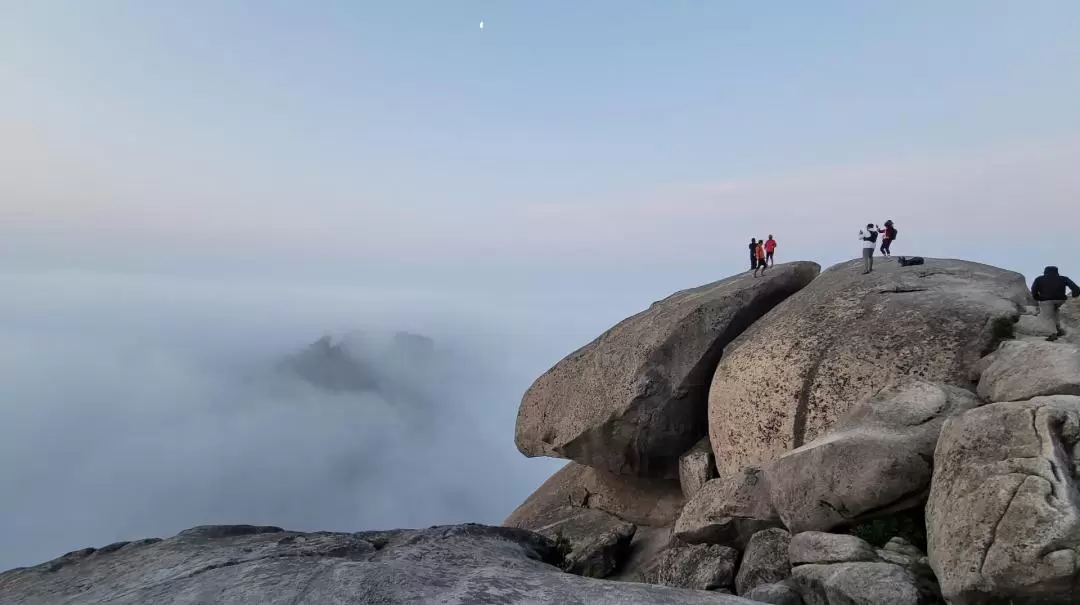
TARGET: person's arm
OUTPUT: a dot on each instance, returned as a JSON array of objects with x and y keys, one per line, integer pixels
[
  {"x": 1035, "y": 288},
  {"x": 1072, "y": 286}
]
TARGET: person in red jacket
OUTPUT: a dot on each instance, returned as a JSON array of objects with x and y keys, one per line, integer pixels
[
  {"x": 770, "y": 247},
  {"x": 759, "y": 254}
]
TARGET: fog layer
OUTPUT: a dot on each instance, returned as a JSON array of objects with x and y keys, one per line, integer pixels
[{"x": 136, "y": 407}]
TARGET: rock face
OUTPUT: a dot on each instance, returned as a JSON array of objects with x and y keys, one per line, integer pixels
[
  {"x": 696, "y": 467},
  {"x": 876, "y": 458},
  {"x": 694, "y": 566},
  {"x": 856, "y": 584},
  {"x": 268, "y": 566},
  {"x": 1022, "y": 370},
  {"x": 595, "y": 542},
  {"x": 813, "y": 547},
  {"x": 634, "y": 399},
  {"x": 728, "y": 510},
  {"x": 648, "y": 502},
  {"x": 781, "y": 593},
  {"x": 1004, "y": 511},
  {"x": 766, "y": 561},
  {"x": 788, "y": 378}
]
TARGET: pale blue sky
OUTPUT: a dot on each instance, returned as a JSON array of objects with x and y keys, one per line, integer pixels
[{"x": 566, "y": 138}]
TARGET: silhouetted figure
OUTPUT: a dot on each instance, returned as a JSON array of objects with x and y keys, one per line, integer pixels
[
  {"x": 770, "y": 247},
  {"x": 753, "y": 253},
  {"x": 869, "y": 239},
  {"x": 1049, "y": 291}
]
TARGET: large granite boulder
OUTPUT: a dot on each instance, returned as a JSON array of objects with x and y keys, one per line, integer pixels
[
  {"x": 857, "y": 584},
  {"x": 765, "y": 561},
  {"x": 642, "y": 501},
  {"x": 728, "y": 510},
  {"x": 593, "y": 543},
  {"x": 1021, "y": 370},
  {"x": 790, "y": 376},
  {"x": 633, "y": 400},
  {"x": 876, "y": 459},
  {"x": 268, "y": 566},
  {"x": 1003, "y": 519}
]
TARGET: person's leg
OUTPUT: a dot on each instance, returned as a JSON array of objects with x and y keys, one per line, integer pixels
[
  {"x": 769, "y": 258},
  {"x": 1057, "y": 316},
  {"x": 866, "y": 252},
  {"x": 753, "y": 262}
]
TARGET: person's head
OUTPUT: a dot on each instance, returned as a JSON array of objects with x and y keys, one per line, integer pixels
[
  {"x": 770, "y": 236},
  {"x": 888, "y": 223},
  {"x": 1050, "y": 271},
  {"x": 869, "y": 225},
  {"x": 753, "y": 240}
]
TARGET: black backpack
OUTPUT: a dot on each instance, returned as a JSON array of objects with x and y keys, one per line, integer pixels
[
  {"x": 910, "y": 262},
  {"x": 891, "y": 233}
]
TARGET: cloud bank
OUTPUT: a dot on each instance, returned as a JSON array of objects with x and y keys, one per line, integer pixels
[{"x": 136, "y": 407}]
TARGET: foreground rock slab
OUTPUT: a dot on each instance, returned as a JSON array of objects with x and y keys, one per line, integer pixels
[
  {"x": 595, "y": 543},
  {"x": 268, "y": 566},
  {"x": 818, "y": 548},
  {"x": 695, "y": 566},
  {"x": 787, "y": 379},
  {"x": 875, "y": 460},
  {"x": 633, "y": 400},
  {"x": 856, "y": 584},
  {"x": 765, "y": 561},
  {"x": 1021, "y": 370},
  {"x": 1004, "y": 510},
  {"x": 728, "y": 510}
]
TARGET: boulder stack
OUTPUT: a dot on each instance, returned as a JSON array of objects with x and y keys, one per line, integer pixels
[{"x": 904, "y": 437}]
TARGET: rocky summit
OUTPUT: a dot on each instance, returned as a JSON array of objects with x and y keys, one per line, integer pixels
[{"x": 808, "y": 437}]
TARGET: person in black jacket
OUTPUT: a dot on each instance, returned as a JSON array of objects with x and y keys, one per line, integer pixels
[
  {"x": 753, "y": 253},
  {"x": 1049, "y": 290}
]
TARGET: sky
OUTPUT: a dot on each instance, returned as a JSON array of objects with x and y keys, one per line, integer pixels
[{"x": 191, "y": 187}]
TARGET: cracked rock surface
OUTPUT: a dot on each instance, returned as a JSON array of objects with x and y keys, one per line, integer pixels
[
  {"x": 790, "y": 377},
  {"x": 878, "y": 458},
  {"x": 243, "y": 565},
  {"x": 1003, "y": 519}
]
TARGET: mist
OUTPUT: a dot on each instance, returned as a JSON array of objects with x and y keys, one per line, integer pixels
[{"x": 136, "y": 406}]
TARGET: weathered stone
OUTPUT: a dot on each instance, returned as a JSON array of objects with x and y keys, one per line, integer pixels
[
  {"x": 595, "y": 543},
  {"x": 876, "y": 459},
  {"x": 781, "y": 593},
  {"x": 633, "y": 400},
  {"x": 641, "y": 501},
  {"x": 728, "y": 510},
  {"x": 470, "y": 564},
  {"x": 645, "y": 548},
  {"x": 694, "y": 566},
  {"x": 1039, "y": 326},
  {"x": 696, "y": 467},
  {"x": 765, "y": 561},
  {"x": 1003, "y": 517},
  {"x": 856, "y": 584},
  {"x": 814, "y": 547},
  {"x": 789, "y": 377},
  {"x": 1022, "y": 370}
]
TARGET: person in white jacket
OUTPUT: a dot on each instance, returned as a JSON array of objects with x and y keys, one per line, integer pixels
[{"x": 869, "y": 240}]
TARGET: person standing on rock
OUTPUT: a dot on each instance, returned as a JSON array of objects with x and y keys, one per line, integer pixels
[
  {"x": 753, "y": 254},
  {"x": 869, "y": 239},
  {"x": 1049, "y": 291},
  {"x": 770, "y": 247},
  {"x": 887, "y": 237},
  {"x": 759, "y": 255}
]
